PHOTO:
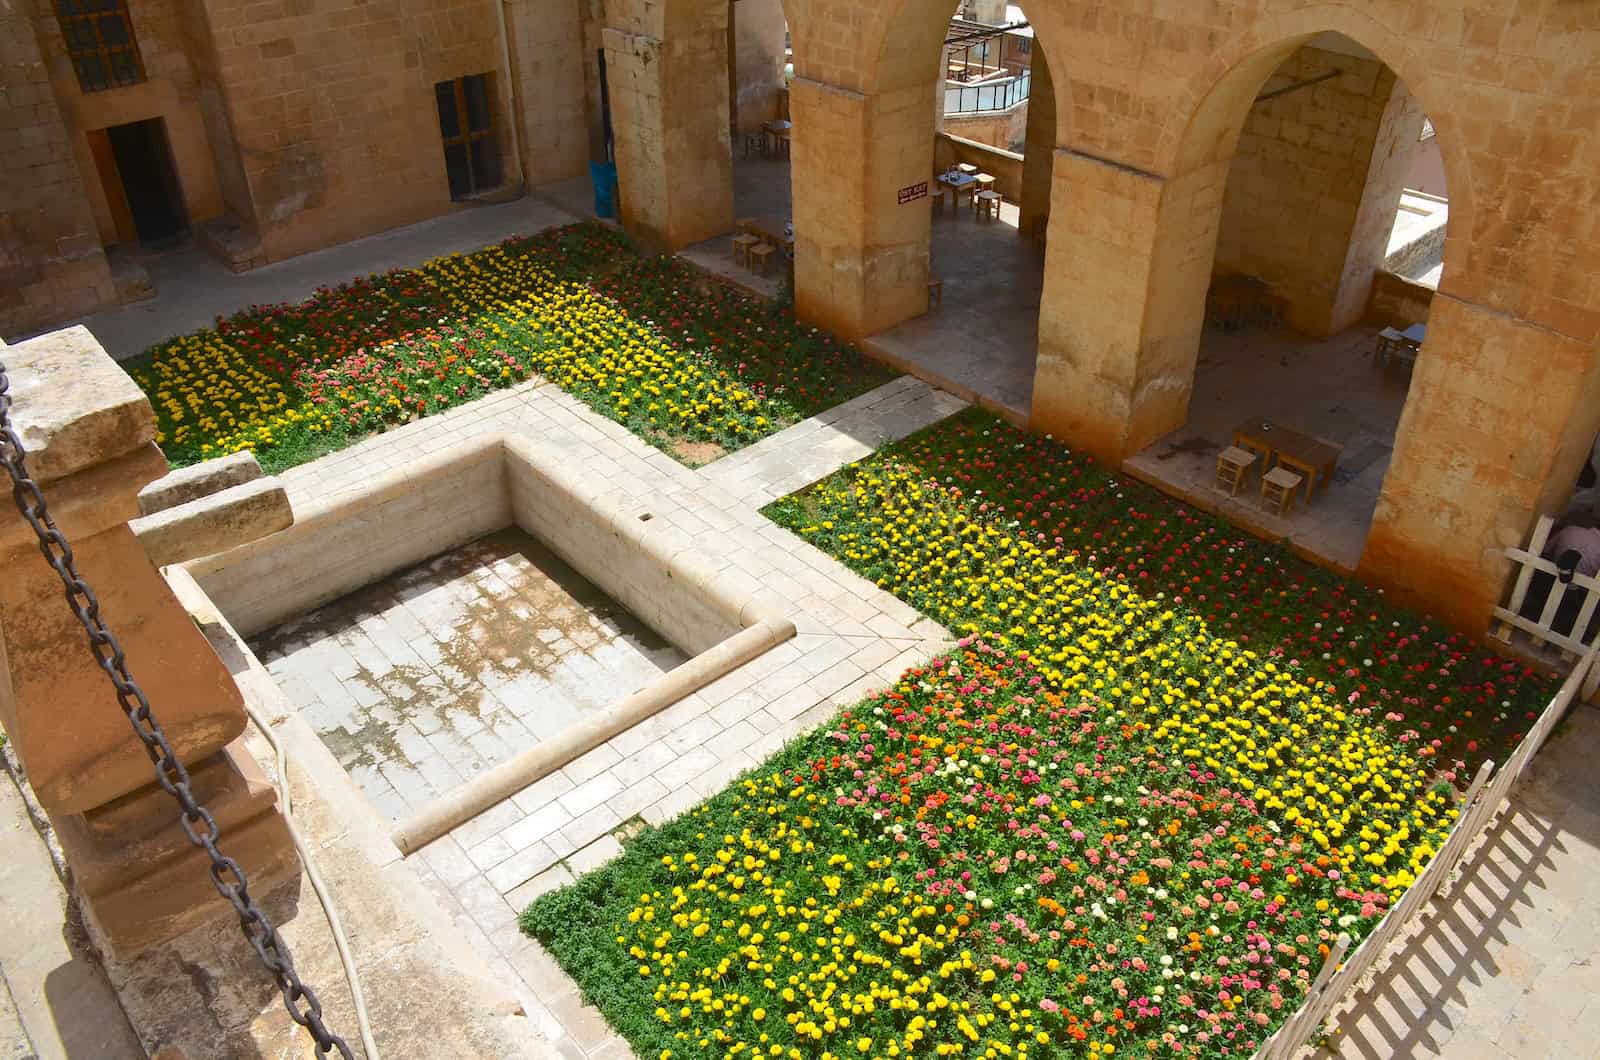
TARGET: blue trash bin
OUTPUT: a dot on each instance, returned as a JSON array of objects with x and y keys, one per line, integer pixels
[{"x": 604, "y": 177}]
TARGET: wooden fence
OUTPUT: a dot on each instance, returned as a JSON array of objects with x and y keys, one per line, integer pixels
[
  {"x": 1478, "y": 808},
  {"x": 1539, "y": 633}
]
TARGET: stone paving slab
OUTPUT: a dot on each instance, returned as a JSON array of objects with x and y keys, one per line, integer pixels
[
  {"x": 438, "y": 672},
  {"x": 815, "y": 448},
  {"x": 55, "y": 1001},
  {"x": 853, "y": 639},
  {"x": 193, "y": 289}
]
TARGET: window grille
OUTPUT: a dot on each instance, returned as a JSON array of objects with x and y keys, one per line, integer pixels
[
  {"x": 466, "y": 123},
  {"x": 100, "y": 42}
]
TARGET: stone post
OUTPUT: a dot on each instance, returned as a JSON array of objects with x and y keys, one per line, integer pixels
[{"x": 90, "y": 436}]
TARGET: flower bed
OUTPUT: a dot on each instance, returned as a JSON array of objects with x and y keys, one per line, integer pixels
[
  {"x": 1065, "y": 512},
  {"x": 1169, "y": 765},
  {"x": 574, "y": 305}
]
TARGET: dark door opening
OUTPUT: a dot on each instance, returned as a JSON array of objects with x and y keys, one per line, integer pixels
[
  {"x": 149, "y": 181},
  {"x": 466, "y": 122}
]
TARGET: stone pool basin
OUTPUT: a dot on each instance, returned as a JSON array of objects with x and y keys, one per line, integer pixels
[{"x": 480, "y": 502}]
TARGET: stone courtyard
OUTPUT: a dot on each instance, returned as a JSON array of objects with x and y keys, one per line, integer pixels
[
  {"x": 588, "y": 645},
  {"x": 388, "y": 676}
]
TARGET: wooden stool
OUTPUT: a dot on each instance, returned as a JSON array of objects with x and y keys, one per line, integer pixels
[
  {"x": 966, "y": 167},
  {"x": 1233, "y": 467},
  {"x": 936, "y": 292},
  {"x": 741, "y": 247},
  {"x": 762, "y": 251},
  {"x": 1389, "y": 341},
  {"x": 985, "y": 182},
  {"x": 986, "y": 204},
  {"x": 1277, "y": 487},
  {"x": 756, "y": 142}
]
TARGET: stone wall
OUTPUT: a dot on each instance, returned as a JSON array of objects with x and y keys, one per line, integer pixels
[
  {"x": 1005, "y": 129},
  {"x": 1397, "y": 301},
  {"x": 1004, "y": 166},
  {"x": 1314, "y": 184},
  {"x": 549, "y": 60},
  {"x": 170, "y": 92},
  {"x": 51, "y": 265},
  {"x": 326, "y": 97}
]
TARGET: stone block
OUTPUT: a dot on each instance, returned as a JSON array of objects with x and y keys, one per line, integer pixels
[
  {"x": 74, "y": 407},
  {"x": 210, "y": 524},
  {"x": 199, "y": 480},
  {"x": 139, "y": 877}
]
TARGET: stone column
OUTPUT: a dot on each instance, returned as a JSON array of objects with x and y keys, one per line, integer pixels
[
  {"x": 1500, "y": 418},
  {"x": 1039, "y": 148},
  {"x": 1126, "y": 269},
  {"x": 861, "y": 256},
  {"x": 669, "y": 114},
  {"x": 90, "y": 435}
]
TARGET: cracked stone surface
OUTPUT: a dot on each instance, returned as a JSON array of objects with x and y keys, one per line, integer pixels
[{"x": 424, "y": 679}]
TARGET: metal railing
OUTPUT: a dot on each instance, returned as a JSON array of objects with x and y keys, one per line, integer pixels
[{"x": 989, "y": 97}]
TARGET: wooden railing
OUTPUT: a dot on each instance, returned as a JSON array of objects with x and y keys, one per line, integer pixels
[
  {"x": 1484, "y": 800},
  {"x": 1541, "y": 631}
]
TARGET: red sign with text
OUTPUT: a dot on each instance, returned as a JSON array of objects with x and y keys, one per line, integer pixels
[{"x": 913, "y": 193}]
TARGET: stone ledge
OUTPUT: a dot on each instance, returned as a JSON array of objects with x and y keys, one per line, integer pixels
[
  {"x": 74, "y": 407},
  {"x": 199, "y": 480}
]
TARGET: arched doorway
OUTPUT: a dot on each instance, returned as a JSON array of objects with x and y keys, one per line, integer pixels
[
  {"x": 1299, "y": 327},
  {"x": 885, "y": 255}
]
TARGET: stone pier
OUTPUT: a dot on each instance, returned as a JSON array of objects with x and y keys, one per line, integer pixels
[{"x": 90, "y": 436}]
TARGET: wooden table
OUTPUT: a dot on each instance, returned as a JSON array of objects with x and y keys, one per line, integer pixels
[
  {"x": 1311, "y": 457},
  {"x": 959, "y": 184},
  {"x": 1415, "y": 334},
  {"x": 773, "y": 229}
]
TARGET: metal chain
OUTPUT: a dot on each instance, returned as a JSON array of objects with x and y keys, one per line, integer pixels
[{"x": 198, "y": 824}]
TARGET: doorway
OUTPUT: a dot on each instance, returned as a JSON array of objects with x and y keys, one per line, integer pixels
[{"x": 145, "y": 196}]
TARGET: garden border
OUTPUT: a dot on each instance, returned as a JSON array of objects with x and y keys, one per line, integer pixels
[{"x": 1484, "y": 800}]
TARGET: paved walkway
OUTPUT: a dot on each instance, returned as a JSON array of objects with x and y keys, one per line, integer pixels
[
  {"x": 1328, "y": 388},
  {"x": 193, "y": 289},
  {"x": 55, "y": 1003},
  {"x": 853, "y": 639},
  {"x": 815, "y": 448},
  {"x": 1508, "y": 967},
  {"x": 982, "y": 340}
]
